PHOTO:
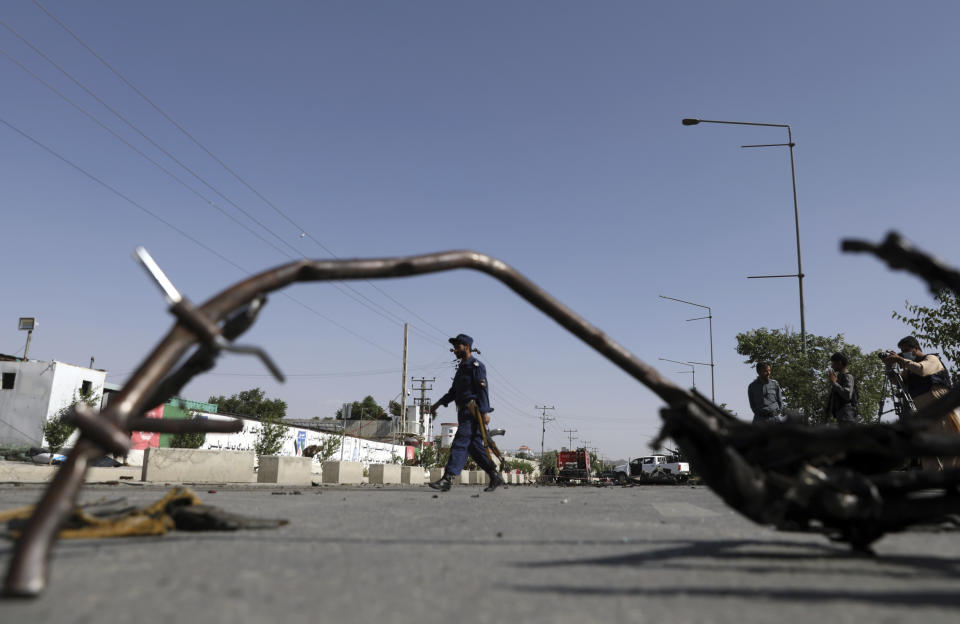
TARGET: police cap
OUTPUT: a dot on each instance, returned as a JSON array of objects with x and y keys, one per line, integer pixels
[{"x": 461, "y": 339}]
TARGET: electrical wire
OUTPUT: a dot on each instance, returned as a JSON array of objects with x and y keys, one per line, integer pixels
[
  {"x": 344, "y": 288},
  {"x": 182, "y": 232},
  {"x": 219, "y": 161},
  {"x": 242, "y": 180}
]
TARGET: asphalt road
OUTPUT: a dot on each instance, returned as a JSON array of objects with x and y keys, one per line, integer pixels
[{"x": 525, "y": 554}]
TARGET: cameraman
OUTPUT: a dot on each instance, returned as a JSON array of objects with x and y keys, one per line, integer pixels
[
  {"x": 843, "y": 400},
  {"x": 926, "y": 380}
]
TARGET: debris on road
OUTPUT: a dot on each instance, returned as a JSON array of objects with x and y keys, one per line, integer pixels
[{"x": 179, "y": 509}]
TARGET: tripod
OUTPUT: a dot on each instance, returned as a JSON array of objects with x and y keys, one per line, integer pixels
[{"x": 893, "y": 386}]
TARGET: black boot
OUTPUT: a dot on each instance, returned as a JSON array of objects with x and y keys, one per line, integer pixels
[
  {"x": 495, "y": 482},
  {"x": 443, "y": 484}
]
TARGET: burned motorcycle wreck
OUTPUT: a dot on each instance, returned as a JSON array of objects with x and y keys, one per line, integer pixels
[{"x": 838, "y": 482}]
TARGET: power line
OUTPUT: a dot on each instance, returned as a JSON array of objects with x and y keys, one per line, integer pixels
[
  {"x": 203, "y": 147},
  {"x": 504, "y": 387},
  {"x": 136, "y": 149},
  {"x": 181, "y": 232},
  {"x": 332, "y": 374},
  {"x": 543, "y": 419},
  {"x": 378, "y": 309},
  {"x": 356, "y": 295}
]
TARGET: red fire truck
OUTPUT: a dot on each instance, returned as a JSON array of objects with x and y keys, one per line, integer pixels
[{"x": 573, "y": 466}]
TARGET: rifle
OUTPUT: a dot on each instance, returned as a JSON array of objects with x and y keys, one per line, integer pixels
[{"x": 488, "y": 443}]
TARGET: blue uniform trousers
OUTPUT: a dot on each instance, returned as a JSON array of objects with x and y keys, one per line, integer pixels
[{"x": 468, "y": 439}]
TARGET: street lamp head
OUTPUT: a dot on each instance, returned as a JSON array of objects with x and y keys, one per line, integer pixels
[{"x": 690, "y": 122}]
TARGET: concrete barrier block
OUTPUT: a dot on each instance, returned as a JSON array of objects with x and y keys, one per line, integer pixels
[
  {"x": 285, "y": 470},
  {"x": 342, "y": 472},
  {"x": 411, "y": 475},
  {"x": 197, "y": 466},
  {"x": 22, "y": 472},
  {"x": 463, "y": 478},
  {"x": 127, "y": 473},
  {"x": 384, "y": 474},
  {"x": 135, "y": 457},
  {"x": 435, "y": 474},
  {"x": 473, "y": 477}
]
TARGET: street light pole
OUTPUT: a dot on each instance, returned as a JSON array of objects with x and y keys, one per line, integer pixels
[
  {"x": 796, "y": 210},
  {"x": 692, "y": 371},
  {"x": 28, "y": 324},
  {"x": 709, "y": 318}
]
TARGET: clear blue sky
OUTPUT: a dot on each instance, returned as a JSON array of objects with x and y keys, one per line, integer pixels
[{"x": 545, "y": 134}]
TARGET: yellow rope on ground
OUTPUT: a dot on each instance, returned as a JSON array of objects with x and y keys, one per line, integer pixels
[{"x": 155, "y": 519}]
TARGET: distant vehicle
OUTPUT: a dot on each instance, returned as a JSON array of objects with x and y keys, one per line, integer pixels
[
  {"x": 653, "y": 469},
  {"x": 611, "y": 476},
  {"x": 573, "y": 466}
]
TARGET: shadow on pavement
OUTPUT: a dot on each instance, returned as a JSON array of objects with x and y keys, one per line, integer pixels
[{"x": 945, "y": 598}]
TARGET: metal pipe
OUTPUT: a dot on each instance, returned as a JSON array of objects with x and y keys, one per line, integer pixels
[
  {"x": 709, "y": 317},
  {"x": 27, "y": 573},
  {"x": 796, "y": 210}
]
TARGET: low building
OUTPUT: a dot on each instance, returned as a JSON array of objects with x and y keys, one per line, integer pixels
[{"x": 33, "y": 391}]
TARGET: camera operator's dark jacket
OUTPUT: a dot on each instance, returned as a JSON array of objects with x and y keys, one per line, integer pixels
[{"x": 843, "y": 399}]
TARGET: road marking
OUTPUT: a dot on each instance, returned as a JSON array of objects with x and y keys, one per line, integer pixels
[{"x": 682, "y": 510}]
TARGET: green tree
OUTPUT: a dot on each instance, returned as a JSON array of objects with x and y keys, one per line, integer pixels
[
  {"x": 938, "y": 327},
  {"x": 430, "y": 455},
  {"x": 803, "y": 377},
  {"x": 250, "y": 403},
  {"x": 190, "y": 440},
  {"x": 524, "y": 467},
  {"x": 270, "y": 413},
  {"x": 548, "y": 463},
  {"x": 323, "y": 451},
  {"x": 596, "y": 464},
  {"x": 270, "y": 437},
  {"x": 58, "y": 429},
  {"x": 367, "y": 409},
  {"x": 393, "y": 407}
]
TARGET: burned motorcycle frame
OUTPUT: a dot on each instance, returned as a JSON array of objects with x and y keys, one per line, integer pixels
[{"x": 838, "y": 482}]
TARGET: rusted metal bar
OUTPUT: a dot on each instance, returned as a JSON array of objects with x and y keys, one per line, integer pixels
[
  {"x": 26, "y": 574},
  {"x": 166, "y": 425},
  {"x": 834, "y": 482}
]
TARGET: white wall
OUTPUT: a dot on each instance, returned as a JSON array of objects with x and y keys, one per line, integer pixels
[
  {"x": 354, "y": 449},
  {"x": 40, "y": 390},
  {"x": 23, "y": 409},
  {"x": 67, "y": 381}
]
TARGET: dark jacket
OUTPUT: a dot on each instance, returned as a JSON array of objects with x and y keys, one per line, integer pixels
[
  {"x": 470, "y": 383},
  {"x": 766, "y": 399},
  {"x": 843, "y": 399}
]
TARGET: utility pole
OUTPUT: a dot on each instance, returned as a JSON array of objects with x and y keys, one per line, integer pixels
[
  {"x": 403, "y": 382},
  {"x": 423, "y": 402},
  {"x": 544, "y": 419},
  {"x": 570, "y": 433},
  {"x": 345, "y": 413}
]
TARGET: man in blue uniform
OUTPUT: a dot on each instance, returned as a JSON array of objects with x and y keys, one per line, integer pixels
[{"x": 469, "y": 384}]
